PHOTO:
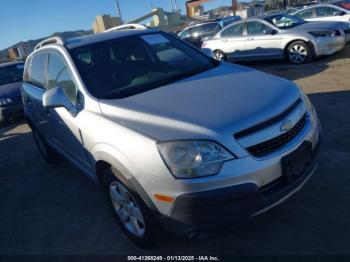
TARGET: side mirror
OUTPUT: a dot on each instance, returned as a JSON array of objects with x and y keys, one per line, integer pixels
[
  {"x": 208, "y": 52},
  {"x": 273, "y": 32},
  {"x": 55, "y": 98}
]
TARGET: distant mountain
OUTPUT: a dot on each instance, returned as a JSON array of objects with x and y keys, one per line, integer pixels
[{"x": 64, "y": 35}]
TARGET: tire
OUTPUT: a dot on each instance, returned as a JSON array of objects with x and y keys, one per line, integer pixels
[
  {"x": 219, "y": 55},
  {"x": 49, "y": 155},
  {"x": 131, "y": 213},
  {"x": 299, "y": 52}
]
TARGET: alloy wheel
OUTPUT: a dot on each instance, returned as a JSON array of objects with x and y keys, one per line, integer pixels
[
  {"x": 126, "y": 208},
  {"x": 297, "y": 53},
  {"x": 218, "y": 55}
]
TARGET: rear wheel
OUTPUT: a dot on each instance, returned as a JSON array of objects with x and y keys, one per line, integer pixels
[
  {"x": 219, "y": 55},
  {"x": 131, "y": 213},
  {"x": 47, "y": 153},
  {"x": 299, "y": 52}
]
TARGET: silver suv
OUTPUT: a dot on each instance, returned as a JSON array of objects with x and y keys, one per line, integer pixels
[{"x": 179, "y": 141}]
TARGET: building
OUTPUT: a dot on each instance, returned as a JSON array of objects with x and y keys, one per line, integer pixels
[
  {"x": 250, "y": 11},
  {"x": 161, "y": 19},
  {"x": 20, "y": 51},
  {"x": 104, "y": 22}
]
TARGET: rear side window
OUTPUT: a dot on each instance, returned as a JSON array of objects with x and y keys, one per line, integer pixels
[
  {"x": 325, "y": 11},
  {"x": 58, "y": 75},
  {"x": 305, "y": 14},
  {"x": 234, "y": 30},
  {"x": 211, "y": 27},
  {"x": 37, "y": 70}
]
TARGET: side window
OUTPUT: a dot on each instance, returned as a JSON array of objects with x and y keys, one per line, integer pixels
[
  {"x": 325, "y": 11},
  {"x": 234, "y": 30},
  {"x": 58, "y": 75},
  {"x": 211, "y": 27},
  {"x": 185, "y": 33},
  {"x": 305, "y": 14},
  {"x": 257, "y": 28},
  {"x": 26, "y": 73},
  {"x": 37, "y": 70}
]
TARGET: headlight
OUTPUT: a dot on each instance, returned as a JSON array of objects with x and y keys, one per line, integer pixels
[
  {"x": 5, "y": 101},
  {"x": 189, "y": 159},
  {"x": 323, "y": 33}
]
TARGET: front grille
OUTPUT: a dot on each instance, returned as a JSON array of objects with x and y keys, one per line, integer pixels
[
  {"x": 347, "y": 31},
  {"x": 269, "y": 122},
  {"x": 273, "y": 144}
]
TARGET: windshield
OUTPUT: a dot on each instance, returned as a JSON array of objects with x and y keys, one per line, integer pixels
[
  {"x": 283, "y": 21},
  {"x": 12, "y": 73},
  {"x": 126, "y": 66}
]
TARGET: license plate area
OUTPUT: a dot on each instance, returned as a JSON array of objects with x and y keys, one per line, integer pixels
[{"x": 297, "y": 162}]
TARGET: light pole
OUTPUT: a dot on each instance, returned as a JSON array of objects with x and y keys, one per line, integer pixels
[{"x": 118, "y": 10}]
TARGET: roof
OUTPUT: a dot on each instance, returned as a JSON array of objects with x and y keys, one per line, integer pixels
[
  {"x": 91, "y": 39},
  {"x": 10, "y": 63}
]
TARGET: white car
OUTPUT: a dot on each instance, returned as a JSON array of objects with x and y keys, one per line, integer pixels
[
  {"x": 327, "y": 12},
  {"x": 324, "y": 12},
  {"x": 276, "y": 36}
]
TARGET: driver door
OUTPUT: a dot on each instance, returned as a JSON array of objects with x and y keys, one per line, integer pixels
[
  {"x": 263, "y": 41},
  {"x": 64, "y": 129}
]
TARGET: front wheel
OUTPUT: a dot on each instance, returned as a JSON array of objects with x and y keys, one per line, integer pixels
[
  {"x": 299, "y": 52},
  {"x": 219, "y": 55},
  {"x": 131, "y": 213}
]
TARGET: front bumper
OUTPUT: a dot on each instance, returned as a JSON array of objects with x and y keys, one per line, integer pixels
[
  {"x": 329, "y": 45},
  {"x": 221, "y": 208},
  {"x": 11, "y": 111}
]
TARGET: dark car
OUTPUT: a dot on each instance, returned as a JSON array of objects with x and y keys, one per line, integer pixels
[
  {"x": 197, "y": 33},
  {"x": 11, "y": 75}
]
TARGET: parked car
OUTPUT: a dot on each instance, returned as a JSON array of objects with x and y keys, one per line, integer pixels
[
  {"x": 342, "y": 3},
  {"x": 10, "y": 90},
  {"x": 276, "y": 36},
  {"x": 324, "y": 12},
  {"x": 179, "y": 141},
  {"x": 197, "y": 33}
]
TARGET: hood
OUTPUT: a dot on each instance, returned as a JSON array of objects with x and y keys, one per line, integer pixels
[
  {"x": 11, "y": 90},
  {"x": 322, "y": 25},
  {"x": 223, "y": 100}
]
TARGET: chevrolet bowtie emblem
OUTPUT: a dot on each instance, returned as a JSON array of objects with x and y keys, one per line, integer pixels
[{"x": 286, "y": 126}]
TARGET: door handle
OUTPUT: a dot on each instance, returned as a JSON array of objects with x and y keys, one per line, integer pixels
[
  {"x": 224, "y": 40},
  {"x": 250, "y": 38}
]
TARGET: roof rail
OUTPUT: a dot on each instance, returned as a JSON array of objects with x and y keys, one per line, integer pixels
[
  {"x": 51, "y": 40},
  {"x": 127, "y": 27}
]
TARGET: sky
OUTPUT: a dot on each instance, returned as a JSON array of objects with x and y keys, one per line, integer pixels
[{"x": 22, "y": 20}]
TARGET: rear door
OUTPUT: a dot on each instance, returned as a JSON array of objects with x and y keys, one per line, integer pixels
[{"x": 33, "y": 89}]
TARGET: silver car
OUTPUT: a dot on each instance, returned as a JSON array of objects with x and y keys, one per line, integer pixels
[
  {"x": 179, "y": 141},
  {"x": 277, "y": 36}
]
